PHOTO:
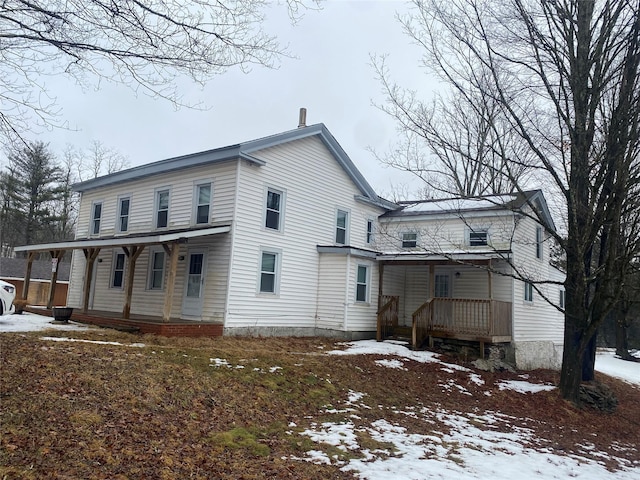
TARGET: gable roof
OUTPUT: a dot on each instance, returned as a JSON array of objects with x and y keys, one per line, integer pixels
[
  {"x": 513, "y": 202},
  {"x": 245, "y": 151}
]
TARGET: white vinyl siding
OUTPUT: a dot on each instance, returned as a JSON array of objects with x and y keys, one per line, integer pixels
[{"x": 310, "y": 222}]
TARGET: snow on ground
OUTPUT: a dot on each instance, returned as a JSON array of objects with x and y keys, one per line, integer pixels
[
  {"x": 473, "y": 448},
  {"x": 31, "y": 322}
]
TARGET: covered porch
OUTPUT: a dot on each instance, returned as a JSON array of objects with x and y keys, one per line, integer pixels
[
  {"x": 132, "y": 246},
  {"x": 436, "y": 297}
]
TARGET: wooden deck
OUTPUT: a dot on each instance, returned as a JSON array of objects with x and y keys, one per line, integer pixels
[{"x": 175, "y": 327}]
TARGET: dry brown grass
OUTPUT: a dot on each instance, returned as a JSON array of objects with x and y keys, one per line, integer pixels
[{"x": 81, "y": 410}]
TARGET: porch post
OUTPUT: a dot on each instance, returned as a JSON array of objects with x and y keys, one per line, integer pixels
[
  {"x": 490, "y": 285},
  {"x": 172, "y": 252},
  {"x": 27, "y": 275},
  {"x": 132, "y": 254},
  {"x": 90, "y": 254},
  {"x": 380, "y": 277},
  {"x": 56, "y": 255},
  {"x": 432, "y": 281}
]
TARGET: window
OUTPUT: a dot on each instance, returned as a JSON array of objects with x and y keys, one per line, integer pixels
[
  {"x": 478, "y": 237},
  {"x": 528, "y": 292},
  {"x": 362, "y": 284},
  {"x": 156, "y": 269},
  {"x": 563, "y": 298},
  {"x": 96, "y": 215},
  {"x": 117, "y": 276},
  {"x": 162, "y": 208},
  {"x": 124, "y": 204},
  {"x": 369, "y": 231},
  {"x": 442, "y": 286},
  {"x": 342, "y": 223},
  {"x": 409, "y": 240},
  {"x": 202, "y": 203},
  {"x": 539, "y": 242},
  {"x": 273, "y": 209},
  {"x": 269, "y": 272}
]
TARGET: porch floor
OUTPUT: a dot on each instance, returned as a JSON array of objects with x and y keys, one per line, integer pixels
[{"x": 175, "y": 327}]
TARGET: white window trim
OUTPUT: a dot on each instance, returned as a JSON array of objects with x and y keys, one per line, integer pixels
[
  {"x": 528, "y": 288},
  {"x": 156, "y": 205},
  {"x": 92, "y": 222},
  {"x": 119, "y": 217},
  {"x": 402, "y": 239},
  {"x": 113, "y": 270},
  {"x": 152, "y": 252},
  {"x": 478, "y": 229},
  {"x": 367, "y": 284},
  {"x": 194, "y": 211},
  {"x": 283, "y": 197},
  {"x": 278, "y": 269},
  {"x": 346, "y": 226}
]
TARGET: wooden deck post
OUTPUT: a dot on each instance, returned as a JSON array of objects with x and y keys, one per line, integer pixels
[
  {"x": 56, "y": 255},
  {"x": 90, "y": 254},
  {"x": 132, "y": 254},
  {"x": 27, "y": 275},
  {"x": 490, "y": 285},
  {"x": 172, "y": 253}
]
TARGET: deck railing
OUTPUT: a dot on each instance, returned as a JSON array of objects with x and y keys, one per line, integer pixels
[
  {"x": 387, "y": 316},
  {"x": 461, "y": 317}
]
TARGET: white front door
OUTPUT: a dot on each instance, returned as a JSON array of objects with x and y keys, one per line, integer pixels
[{"x": 194, "y": 283}]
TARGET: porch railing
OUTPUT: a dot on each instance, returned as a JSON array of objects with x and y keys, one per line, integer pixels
[
  {"x": 461, "y": 317},
  {"x": 387, "y": 316}
]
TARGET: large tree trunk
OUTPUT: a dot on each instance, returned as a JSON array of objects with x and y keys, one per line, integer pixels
[
  {"x": 622, "y": 339},
  {"x": 589, "y": 360}
]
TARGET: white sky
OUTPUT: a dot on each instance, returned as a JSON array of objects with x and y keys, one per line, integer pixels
[{"x": 331, "y": 77}]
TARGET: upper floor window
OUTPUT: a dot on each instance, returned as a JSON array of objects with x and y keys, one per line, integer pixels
[
  {"x": 369, "y": 237},
  {"x": 539, "y": 240},
  {"x": 362, "y": 284},
  {"x": 478, "y": 237},
  {"x": 156, "y": 269},
  {"x": 202, "y": 203},
  {"x": 409, "y": 240},
  {"x": 124, "y": 205},
  {"x": 117, "y": 274},
  {"x": 342, "y": 224},
  {"x": 273, "y": 212},
  {"x": 96, "y": 215},
  {"x": 269, "y": 272},
  {"x": 528, "y": 292},
  {"x": 162, "y": 208}
]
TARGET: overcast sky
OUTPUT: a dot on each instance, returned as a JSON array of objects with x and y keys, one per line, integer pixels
[{"x": 331, "y": 77}]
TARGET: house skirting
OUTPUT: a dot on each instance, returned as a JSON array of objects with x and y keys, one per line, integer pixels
[
  {"x": 536, "y": 354},
  {"x": 298, "y": 332}
]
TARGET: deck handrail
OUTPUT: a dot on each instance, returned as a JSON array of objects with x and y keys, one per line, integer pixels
[
  {"x": 387, "y": 316},
  {"x": 462, "y": 316},
  {"x": 421, "y": 322}
]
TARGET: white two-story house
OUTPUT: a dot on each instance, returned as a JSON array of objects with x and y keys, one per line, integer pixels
[{"x": 284, "y": 236}]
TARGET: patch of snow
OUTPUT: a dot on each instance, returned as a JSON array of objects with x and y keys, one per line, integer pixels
[
  {"x": 31, "y": 322},
  {"x": 97, "y": 342},
  {"x": 458, "y": 204},
  {"x": 608, "y": 363},
  {"x": 397, "y": 364},
  {"x": 523, "y": 387}
]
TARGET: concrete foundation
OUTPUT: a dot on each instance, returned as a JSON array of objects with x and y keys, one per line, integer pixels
[
  {"x": 533, "y": 355},
  {"x": 297, "y": 332}
]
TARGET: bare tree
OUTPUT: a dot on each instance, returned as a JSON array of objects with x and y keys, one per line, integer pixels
[
  {"x": 564, "y": 76},
  {"x": 145, "y": 45}
]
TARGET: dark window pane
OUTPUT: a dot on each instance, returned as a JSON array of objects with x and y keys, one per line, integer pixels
[
  {"x": 117, "y": 278},
  {"x": 273, "y": 201},
  {"x": 341, "y": 236},
  {"x": 273, "y": 220},
  {"x": 124, "y": 207},
  {"x": 267, "y": 282},
  {"x": 361, "y": 293},
  {"x": 124, "y": 224},
  {"x": 203, "y": 214},
  {"x": 162, "y": 218}
]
